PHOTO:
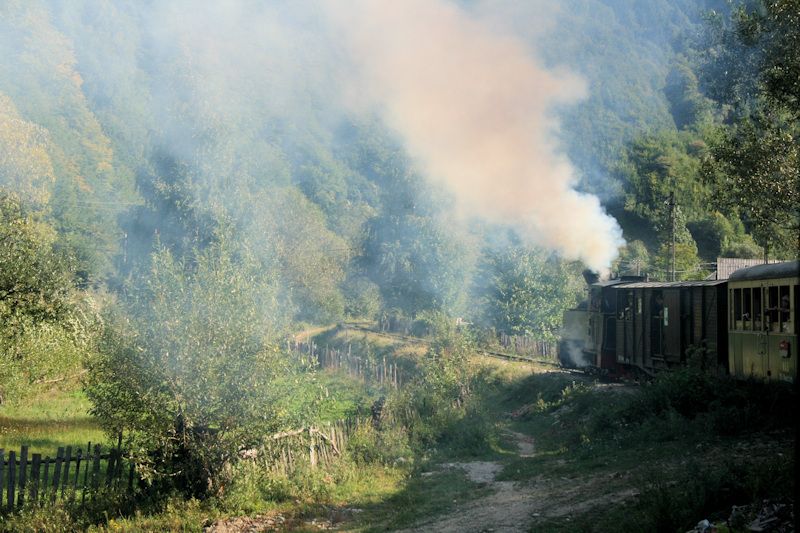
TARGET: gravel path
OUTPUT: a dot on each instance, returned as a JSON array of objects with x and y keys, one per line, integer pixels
[{"x": 514, "y": 507}]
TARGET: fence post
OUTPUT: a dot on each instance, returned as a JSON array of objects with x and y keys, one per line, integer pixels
[
  {"x": 110, "y": 466},
  {"x": 57, "y": 474},
  {"x": 86, "y": 471},
  {"x": 65, "y": 481},
  {"x": 312, "y": 451},
  {"x": 23, "y": 474},
  {"x": 78, "y": 457},
  {"x": 46, "y": 478},
  {"x": 35, "y": 468},
  {"x": 96, "y": 470},
  {"x": 2, "y": 460},
  {"x": 12, "y": 462}
]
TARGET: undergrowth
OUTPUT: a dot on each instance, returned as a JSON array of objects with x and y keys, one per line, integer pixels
[{"x": 693, "y": 443}]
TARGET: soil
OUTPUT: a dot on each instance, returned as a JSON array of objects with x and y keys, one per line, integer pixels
[{"x": 516, "y": 506}]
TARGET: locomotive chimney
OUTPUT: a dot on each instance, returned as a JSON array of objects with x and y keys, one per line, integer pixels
[{"x": 590, "y": 276}]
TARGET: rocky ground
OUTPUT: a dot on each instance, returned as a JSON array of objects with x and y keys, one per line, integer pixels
[{"x": 514, "y": 507}]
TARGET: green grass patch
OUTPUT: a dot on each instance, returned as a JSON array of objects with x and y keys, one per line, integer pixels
[
  {"x": 419, "y": 499},
  {"x": 51, "y": 419},
  {"x": 692, "y": 445}
]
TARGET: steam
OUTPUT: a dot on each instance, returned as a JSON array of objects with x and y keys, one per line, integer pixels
[
  {"x": 577, "y": 357},
  {"x": 477, "y": 113}
]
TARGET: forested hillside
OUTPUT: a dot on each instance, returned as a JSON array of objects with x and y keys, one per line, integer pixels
[
  {"x": 190, "y": 191},
  {"x": 129, "y": 130}
]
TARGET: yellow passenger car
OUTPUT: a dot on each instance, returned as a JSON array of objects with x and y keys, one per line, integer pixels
[{"x": 763, "y": 305}]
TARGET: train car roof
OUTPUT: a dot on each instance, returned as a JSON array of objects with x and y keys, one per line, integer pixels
[
  {"x": 608, "y": 283},
  {"x": 788, "y": 269},
  {"x": 673, "y": 284},
  {"x": 617, "y": 281}
]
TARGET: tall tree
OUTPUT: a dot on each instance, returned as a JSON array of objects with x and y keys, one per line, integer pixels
[{"x": 752, "y": 65}]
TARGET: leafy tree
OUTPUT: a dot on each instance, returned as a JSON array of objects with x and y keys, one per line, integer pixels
[
  {"x": 41, "y": 76},
  {"x": 688, "y": 106},
  {"x": 719, "y": 236},
  {"x": 25, "y": 165},
  {"x": 362, "y": 297},
  {"x": 752, "y": 65},
  {"x": 36, "y": 278},
  {"x": 755, "y": 167},
  {"x": 45, "y": 328},
  {"x": 526, "y": 291},
  {"x": 284, "y": 227},
  {"x": 634, "y": 259},
  {"x": 186, "y": 372}
]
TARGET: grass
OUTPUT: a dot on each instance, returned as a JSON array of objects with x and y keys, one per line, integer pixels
[
  {"x": 681, "y": 443},
  {"x": 418, "y": 498},
  {"x": 673, "y": 444},
  {"x": 672, "y": 447},
  {"x": 51, "y": 419}
]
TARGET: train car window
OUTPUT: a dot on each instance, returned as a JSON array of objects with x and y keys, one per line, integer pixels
[
  {"x": 737, "y": 309},
  {"x": 784, "y": 309},
  {"x": 609, "y": 304},
  {"x": 639, "y": 305},
  {"x": 772, "y": 309},
  {"x": 757, "y": 325},
  {"x": 625, "y": 305},
  {"x": 747, "y": 311},
  {"x": 656, "y": 304}
]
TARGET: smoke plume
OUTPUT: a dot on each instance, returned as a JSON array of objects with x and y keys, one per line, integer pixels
[{"x": 477, "y": 112}]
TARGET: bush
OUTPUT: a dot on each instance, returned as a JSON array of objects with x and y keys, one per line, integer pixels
[
  {"x": 722, "y": 405},
  {"x": 389, "y": 446},
  {"x": 186, "y": 368}
]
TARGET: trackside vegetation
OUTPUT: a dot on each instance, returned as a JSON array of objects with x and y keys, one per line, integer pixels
[{"x": 187, "y": 233}]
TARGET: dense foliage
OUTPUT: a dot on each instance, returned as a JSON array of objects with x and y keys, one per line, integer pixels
[{"x": 170, "y": 213}]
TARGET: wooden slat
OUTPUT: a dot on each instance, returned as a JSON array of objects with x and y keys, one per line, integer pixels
[
  {"x": 12, "y": 458},
  {"x": 110, "y": 467},
  {"x": 96, "y": 469},
  {"x": 23, "y": 475},
  {"x": 118, "y": 464},
  {"x": 35, "y": 468},
  {"x": 57, "y": 474},
  {"x": 45, "y": 478},
  {"x": 86, "y": 471},
  {"x": 65, "y": 477},
  {"x": 2, "y": 460},
  {"x": 78, "y": 458}
]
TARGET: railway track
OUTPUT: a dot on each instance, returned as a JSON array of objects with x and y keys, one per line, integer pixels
[{"x": 488, "y": 353}]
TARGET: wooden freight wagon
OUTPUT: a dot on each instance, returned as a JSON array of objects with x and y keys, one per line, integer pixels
[
  {"x": 657, "y": 322},
  {"x": 763, "y": 321},
  {"x": 602, "y": 331}
]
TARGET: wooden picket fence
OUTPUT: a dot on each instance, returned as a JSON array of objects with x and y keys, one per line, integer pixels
[
  {"x": 72, "y": 474},
  {"x": 381, "y": 372},
  {"x": 392, "y": 323},
  {"x": 314, "y": 446},
  {"x": 529, "y": 346}
]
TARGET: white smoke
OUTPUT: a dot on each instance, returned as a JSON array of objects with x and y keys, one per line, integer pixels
[{"x": 476, "y": 110}]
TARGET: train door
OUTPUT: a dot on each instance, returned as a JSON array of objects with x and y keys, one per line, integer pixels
[
  {"x": 672, "y": 325},
  {"x": 625, "y": 308},
  {"x": 778, "y": 341},
  {"x": 748, "y": 340},
  {"x": 656, "y": 321},
  {"x": 639, "y": 318}
]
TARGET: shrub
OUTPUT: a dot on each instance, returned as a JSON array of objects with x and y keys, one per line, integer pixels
[
  {"x": 186, "y": 368},
  {"x": 388, "y": 446}
]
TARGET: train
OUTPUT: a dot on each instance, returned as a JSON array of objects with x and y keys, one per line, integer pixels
[{"x": 745, "y": 326}]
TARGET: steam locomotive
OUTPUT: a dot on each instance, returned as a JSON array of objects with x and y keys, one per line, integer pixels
[{"x": 745, "y": 326}]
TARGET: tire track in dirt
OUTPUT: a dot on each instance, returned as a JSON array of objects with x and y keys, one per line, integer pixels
[{"x": 513, "y": 507}]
